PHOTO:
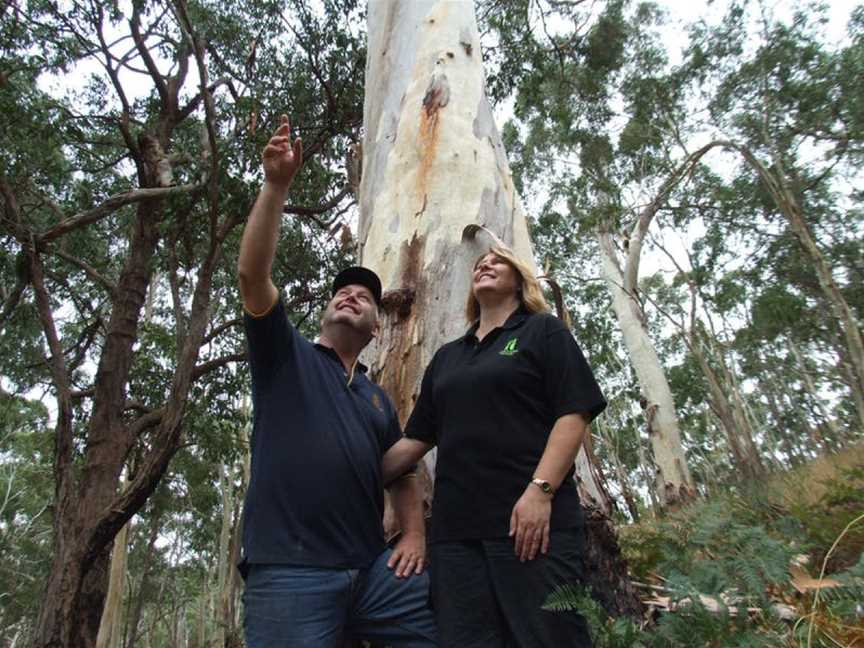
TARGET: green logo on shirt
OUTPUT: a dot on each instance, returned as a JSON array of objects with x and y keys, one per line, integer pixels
[{"x": 510, "y": 348}]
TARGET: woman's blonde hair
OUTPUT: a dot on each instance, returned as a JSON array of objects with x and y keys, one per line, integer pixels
[{"x": 529, "y": 291}]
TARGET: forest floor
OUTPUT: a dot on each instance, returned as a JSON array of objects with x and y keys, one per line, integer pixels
[{"x": 774, "y": 563}]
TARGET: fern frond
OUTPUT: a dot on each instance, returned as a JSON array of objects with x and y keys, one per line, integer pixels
[
  {"x": 564, "y": 598},
  {"x": 851, "y": 592}
]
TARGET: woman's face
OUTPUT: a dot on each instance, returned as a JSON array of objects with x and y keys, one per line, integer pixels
[{"x": 493, "y": 274}]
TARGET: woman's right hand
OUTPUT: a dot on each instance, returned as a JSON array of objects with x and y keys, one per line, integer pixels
[
  {"x": 529, "y": 523},
  {"x": 401, "y": 456}
]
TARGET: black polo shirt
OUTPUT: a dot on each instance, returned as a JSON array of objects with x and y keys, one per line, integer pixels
[
  {"x": 489, "y": 407},
  {"x": 315, "y": 496}
]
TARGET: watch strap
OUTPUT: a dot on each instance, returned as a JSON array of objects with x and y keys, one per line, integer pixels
[{"x": 543, "y": 485}]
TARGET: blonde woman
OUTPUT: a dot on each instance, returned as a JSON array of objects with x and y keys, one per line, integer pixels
[{"x": 507, "y": 405}]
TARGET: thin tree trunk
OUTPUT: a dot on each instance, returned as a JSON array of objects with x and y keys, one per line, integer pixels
[
  {"x": 109, "y": 627},
  {"x": 779, "y": 425},
  {"x": 674, "y": 484},
  {"x": 626, "y": 489},
  {"x": 744, "y": 456},
  {"x": 149, "y": 555},
  {"x": 223, "y": 566},
  {"x": 810, "y": 387},
  {"x": 739, "y": 411},
  {"x": 434, "y": 163},
  {"x": 229, "y": 551},
  {"x": 784, "y": 198}
]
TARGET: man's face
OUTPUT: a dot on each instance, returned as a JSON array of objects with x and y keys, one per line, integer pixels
[{"x": 354, "y": 306}]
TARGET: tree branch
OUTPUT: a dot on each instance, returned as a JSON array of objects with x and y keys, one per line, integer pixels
[
  {"x": 195, "y": 101},
  {"x": 174, "y": 283},
  {"x": 637, "y": 235},
  {"x": 89, "y": 270},
  {"x": 131, "y": 144},
  {"x": 145, "y": 422},
  {"x": 111, "y": 205},
  {"x": 63, "y": 446},
  {"x": 218, "y": 363},
  {"x": 216, "y": 332},
  {"x": 310, "y": 212},
  {"x": 155, "y": 74},
  {"x": 209, "y": 116},
  {"x": 313, "y": 64}
]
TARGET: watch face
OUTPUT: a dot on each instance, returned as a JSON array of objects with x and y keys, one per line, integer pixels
[{"x": 544, "y": 485}]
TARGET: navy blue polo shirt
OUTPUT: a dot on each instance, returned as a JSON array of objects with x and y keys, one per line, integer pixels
[
  {"x": 315, "y": 496},
  {"x": 489, "y": 407}
]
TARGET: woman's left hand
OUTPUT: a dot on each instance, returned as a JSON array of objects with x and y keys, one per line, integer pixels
[{"x": 529, "y": 523}]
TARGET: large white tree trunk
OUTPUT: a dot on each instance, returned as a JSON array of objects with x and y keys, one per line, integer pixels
[
  {"x": 433, "y": 163},
  {"x": 673, "y": 476}
]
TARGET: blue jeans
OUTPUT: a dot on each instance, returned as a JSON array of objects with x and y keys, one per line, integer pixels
[{"x": 288, "y": 606}]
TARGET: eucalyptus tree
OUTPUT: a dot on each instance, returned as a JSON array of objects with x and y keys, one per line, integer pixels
[
  {"x": 787, "y": 105},
  {"x": 131, "y": 140},
  {"x": 436, "y": 192}
]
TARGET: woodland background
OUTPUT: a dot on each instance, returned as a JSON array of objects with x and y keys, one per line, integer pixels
[{"x": 130, "y": 136}]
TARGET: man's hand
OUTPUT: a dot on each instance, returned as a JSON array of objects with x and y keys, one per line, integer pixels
[
  {"x": 409, "y": 555},
  {"x": 280, "y": 159},
  {"x": 529, "y": 523}
]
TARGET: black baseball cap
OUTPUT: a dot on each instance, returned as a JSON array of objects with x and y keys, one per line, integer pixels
[{"x": 360, "y": 276}]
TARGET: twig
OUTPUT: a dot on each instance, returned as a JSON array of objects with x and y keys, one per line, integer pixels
[{"x": 822, "y": 576}]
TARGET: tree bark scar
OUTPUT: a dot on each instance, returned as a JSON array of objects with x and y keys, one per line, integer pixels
[
  {"x": 399, "y": 322},
  {"x": 398, "y": 302},
  {"x": 423, "y": 207},
  {"x": 437, "y": 96},
  {"x": 466, "y": 38}
]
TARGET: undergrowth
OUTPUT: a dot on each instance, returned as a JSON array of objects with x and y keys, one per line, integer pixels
[{"x": 724, "y": 566}]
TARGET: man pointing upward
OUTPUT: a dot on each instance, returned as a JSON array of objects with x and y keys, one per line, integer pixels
[{"x": 314, "y": 559}]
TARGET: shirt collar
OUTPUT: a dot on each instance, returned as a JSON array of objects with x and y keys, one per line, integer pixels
[
  {"x": 362, "y": 368},
  {"x": 516, "y": 318}
]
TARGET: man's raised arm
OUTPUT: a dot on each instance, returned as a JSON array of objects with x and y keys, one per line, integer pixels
[{"x": 280, "y": 160}]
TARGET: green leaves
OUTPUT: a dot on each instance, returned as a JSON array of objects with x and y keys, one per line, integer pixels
[{"x": 606, "y": 632}]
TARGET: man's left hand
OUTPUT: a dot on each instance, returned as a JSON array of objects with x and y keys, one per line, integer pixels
[{"x": 409, "y": 554}]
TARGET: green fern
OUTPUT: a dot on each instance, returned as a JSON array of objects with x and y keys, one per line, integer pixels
[
  {"x": 606, "y": 632},
  {"x": 564, "y": 598}
]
